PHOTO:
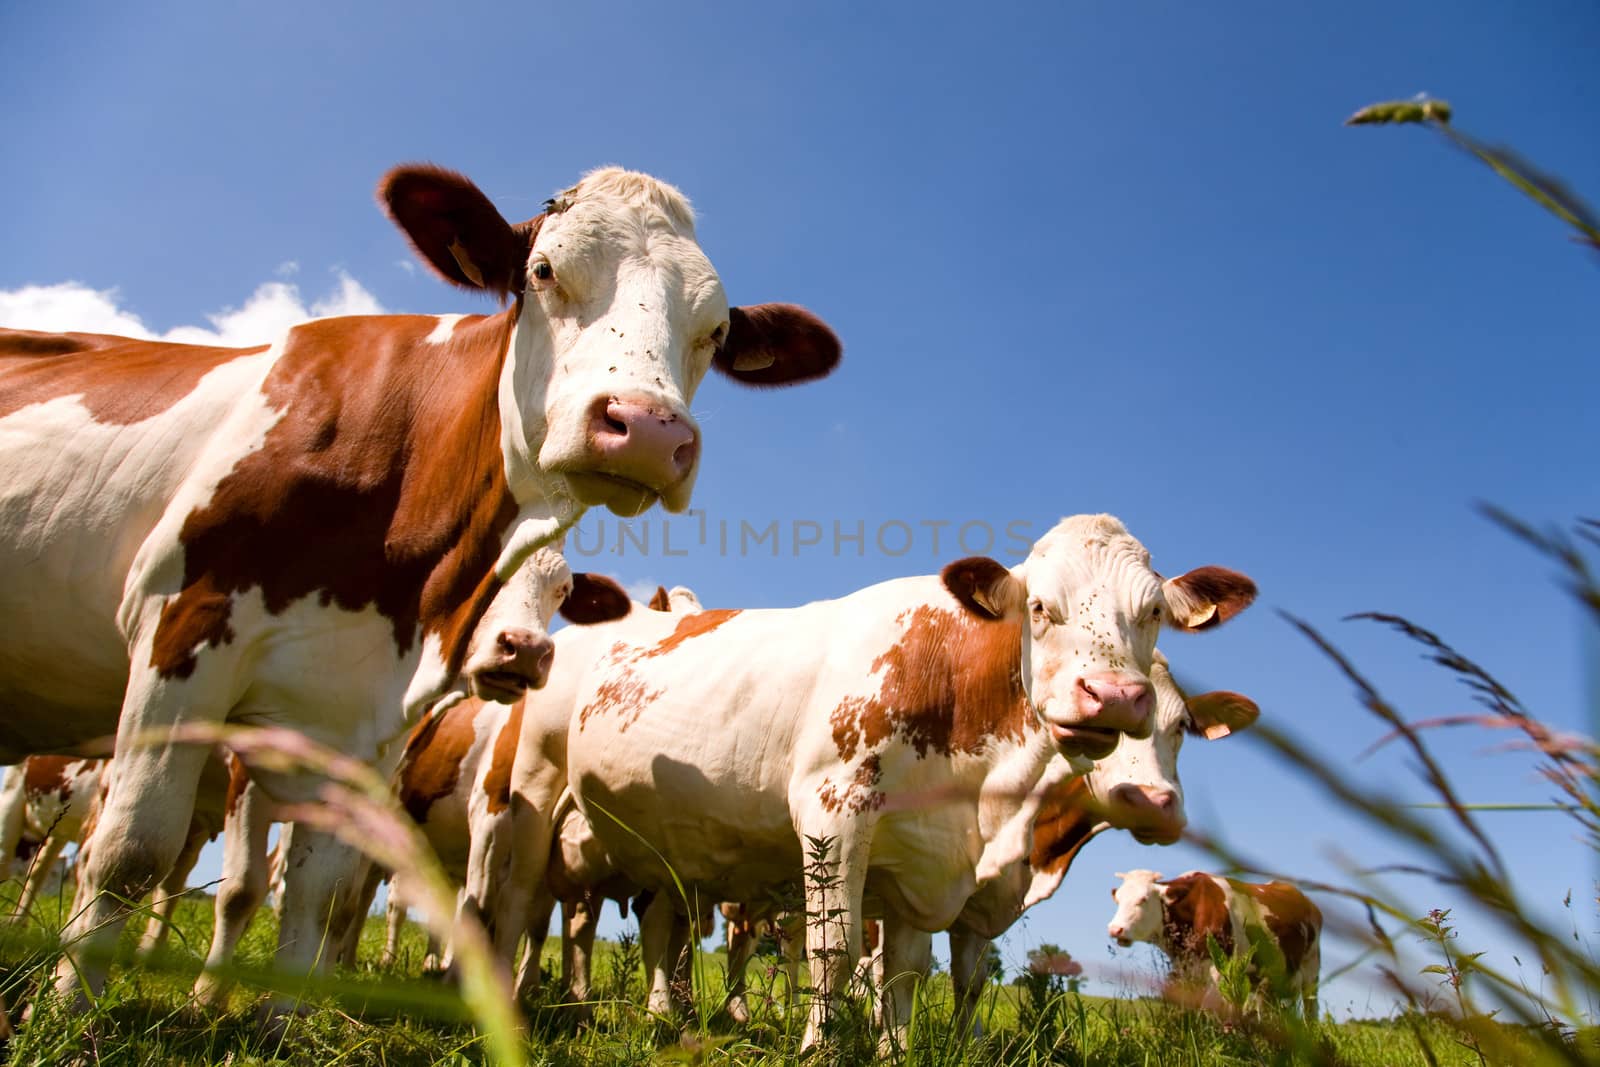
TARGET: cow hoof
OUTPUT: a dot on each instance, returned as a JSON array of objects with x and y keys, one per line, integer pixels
[{"x": 738, "y": 1010}]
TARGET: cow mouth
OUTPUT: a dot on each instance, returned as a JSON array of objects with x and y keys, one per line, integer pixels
[
  {"x": 499, "y": 687},
  {"x": 622, "y": 496},
  {"x": 1125, "y": 942},
  {"x": 1091, "y": 742},
  {"x": 1157, "y": 837}
]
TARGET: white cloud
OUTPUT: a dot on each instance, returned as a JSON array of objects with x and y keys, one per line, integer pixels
[
  {"x": 287, "y": 268},
  {"x": 269, "y": 311},
  {"x": 642, "y": 590}
]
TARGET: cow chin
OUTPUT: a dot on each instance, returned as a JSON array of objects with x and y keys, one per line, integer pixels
[
  {"x": 498, "y": 687},
  {"x": 1086, "y": 741},
  {"x": 619, "y": 495}
]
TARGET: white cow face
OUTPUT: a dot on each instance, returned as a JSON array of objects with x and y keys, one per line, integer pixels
[
  {"x": 511, "y": 649},
  {"x": 1090, "y": 607},
  {"x": 619, "y": 316},
  {"x": 1140, "y": 908},
  {"x": 1136, "y": 788}
]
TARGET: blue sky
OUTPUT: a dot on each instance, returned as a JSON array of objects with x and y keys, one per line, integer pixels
[{"x": 1084, "y": 257}]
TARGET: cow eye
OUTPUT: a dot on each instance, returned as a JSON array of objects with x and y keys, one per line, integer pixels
[
  {"x": 719, "y": 336},
  {"x": 1155, "y": 613},
  {"x": 1036, "y": 607},
  {"x": 543, "y": 274}
]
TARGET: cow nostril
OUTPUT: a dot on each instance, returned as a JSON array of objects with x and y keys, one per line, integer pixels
[{"x": 505, "y": 643}]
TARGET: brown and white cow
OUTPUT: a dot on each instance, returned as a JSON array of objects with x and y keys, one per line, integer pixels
[
  {"x": 304, "y": 533},
  {"x": 443, "y": 770},
  {"x": 1136, "y": 789},
  {"x": 1274, "y": 923},
  {"x": 893, "y": 736},
  {"x": 43, "y": 807}
]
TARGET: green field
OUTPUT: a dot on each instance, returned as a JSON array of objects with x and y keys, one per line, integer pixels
[{"x": 365, "y": 1017}]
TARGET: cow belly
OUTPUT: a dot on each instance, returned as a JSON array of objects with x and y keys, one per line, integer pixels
[
  {"x": 719, "y": 830},
  {"x": 922, "y": 867},
  {"x": 79, "y": 503}
]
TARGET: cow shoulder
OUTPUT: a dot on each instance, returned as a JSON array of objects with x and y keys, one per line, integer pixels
[
  {"x": 433, "y": 758},
  {"x": 1196, "y": 907}
]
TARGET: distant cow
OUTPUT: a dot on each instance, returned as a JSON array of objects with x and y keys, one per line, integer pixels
[
  {"x": 304, "y": 533},
  {"x": 892, "y": 736},
  {"x": 1275, "y": 923},
  {"x": 42, "y": 810}
]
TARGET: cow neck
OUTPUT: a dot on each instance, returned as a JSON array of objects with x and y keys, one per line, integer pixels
[
  {"x": 382, "y": 485},
  {"x": 1063, "y": 826},
  {"x": 951, "y": 684}
]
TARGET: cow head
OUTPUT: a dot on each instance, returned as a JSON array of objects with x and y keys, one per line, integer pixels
[
  {"x": 1090, "y": 607},
  {"x": 1140, "y": 908},
  {"x": 511, "y": 648},
  {"x": 1136, "y": 788},
  {"x": 618, "y": 316}
]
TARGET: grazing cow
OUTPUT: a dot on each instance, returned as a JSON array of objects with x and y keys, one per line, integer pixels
[
  {"x": 305, "y": 533},
  {"x": 889, "y": 740},
  {"x": 42, "y": 810},
  {"x": 1275, "y": 924},
  {"x": 439, "y": 774}
]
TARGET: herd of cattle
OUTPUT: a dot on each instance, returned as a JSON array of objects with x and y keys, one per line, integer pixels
[{"x": 357, "y": 530}]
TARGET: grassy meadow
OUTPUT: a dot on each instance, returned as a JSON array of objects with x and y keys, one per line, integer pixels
[{"x": 367, "y": 1017}]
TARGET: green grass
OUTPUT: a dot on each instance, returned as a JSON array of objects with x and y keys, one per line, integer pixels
[{"x": 362, "y": 1017}]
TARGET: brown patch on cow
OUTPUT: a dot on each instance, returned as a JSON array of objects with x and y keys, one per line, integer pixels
[
  {"x": 43, "y": 775},
  {"x": 238, "y": 780},
  {"x": 660, "y": 602},
  {"x": 381, "y": 485},
  {"x": 1196, "y": 907},
  {"x": 1292, "y": 919},
  {"x": 120, "y": 380},
  {"x": 431, "y": 766},
  {"x": 497, "y": 783},
  {"x": 623, "y": 693},
  {"x": 1065, "y": 823},
  {"x": 701, "y": 622},
  {"x": 859, "y": 794},
  {"x": 952, "y": 683}
]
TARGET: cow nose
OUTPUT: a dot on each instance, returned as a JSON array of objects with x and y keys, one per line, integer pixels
[
  {"x": 1145, "y": 797},
  {"x": 643, "y": 441},
  {"x": 527, "y": 655},
  {"x": 1115, "y": 701}
]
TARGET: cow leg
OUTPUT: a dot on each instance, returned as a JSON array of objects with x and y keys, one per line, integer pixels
[
  {"x": 394, "y": 924},
  {"x": 172, "y": 887},
  {"x": 791, "y": 928},
  {"x": 680, "y": 959},
  {"x": 656, "y": 932},
  {"x": 13, "y": 812},
  {"x": 969, "y": 973},
  {"x": 741, "y": 946},
  {"x": 369, "y": 876},
  {"x": 141, "y": 829},
  {"x": 907, "y": 956},
  {"x": 319, "y": 874},
  {"x": 38, "y": 872},
  {"x": 530, "y": 977},
  {"x": 244, "y": 887},
  {"x": 834, "y": 881},
  {"x": 577, "y": 954}
]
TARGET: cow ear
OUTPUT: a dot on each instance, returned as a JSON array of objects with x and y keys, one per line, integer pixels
[
  {"x": 1207, "y": 597},
  {"x": 456, "y": 230},
  {"x": 594, "y": 598},
  {"x": 661, "y": 602},
  {"x": 777, "y": 344},
  {"x": 1220, "y": 713},
  {"x": 984, "y": 587}
]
